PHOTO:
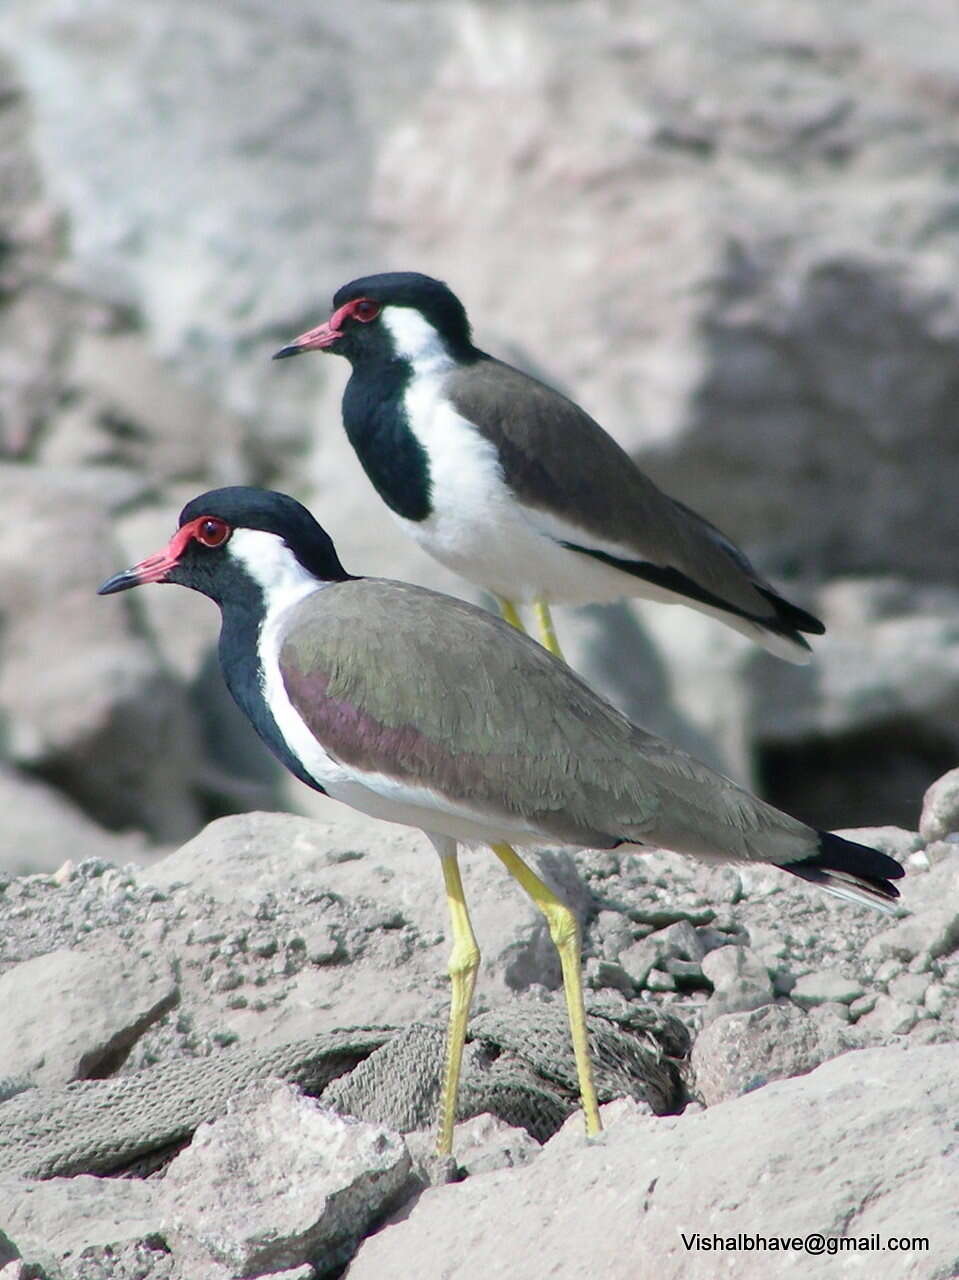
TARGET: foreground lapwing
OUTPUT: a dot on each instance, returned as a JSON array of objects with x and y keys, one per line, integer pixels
[
  {"x": 421, "y": 709},
  {"x": 516, "y": 488}
]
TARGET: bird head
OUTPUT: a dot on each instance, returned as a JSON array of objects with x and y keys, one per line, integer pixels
[
  {"x": 399, "y": 315},
  {"x": 236, "y": 541}
]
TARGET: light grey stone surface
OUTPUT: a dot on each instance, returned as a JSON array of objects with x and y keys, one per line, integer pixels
[
  {"x": 822, "y": 987},
  {"x": 41, "y": 829},
  {"x": 105, "y": 718},
  {"x": 73, "y": 1014},
  {"x": 807, "y": 1155},
  {"x": 738, "y": 1052},
  {"x": 281, "y": 1181},
  {"x": 940, "y": 808},
  {"x": 65, "y": 1218},
  {"x": 740, "y": 981}
]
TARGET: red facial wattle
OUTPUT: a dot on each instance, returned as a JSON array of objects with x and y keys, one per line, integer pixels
[{"x": 324, "y": 336}]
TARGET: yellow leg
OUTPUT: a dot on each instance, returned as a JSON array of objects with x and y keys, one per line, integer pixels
[
  {"x": 564, "y": 931},
  {"x": 547, "y": 632},
  {"x": 508, "y": 610},
  {"x": 463, "y": 963}
]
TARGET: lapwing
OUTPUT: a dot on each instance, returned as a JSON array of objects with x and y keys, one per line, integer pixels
[
  {"x": 510, "y": 484},
  {"x": 421, "y": 709}
]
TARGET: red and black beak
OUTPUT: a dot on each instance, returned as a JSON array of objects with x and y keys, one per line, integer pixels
[
  {"x": 324, "y": 335},
  {"x": 318, "y": 339},
  {"x": 153, "y": 569}
]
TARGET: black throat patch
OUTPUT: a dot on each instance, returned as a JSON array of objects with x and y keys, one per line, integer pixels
[{"x": 376, "y": 424}]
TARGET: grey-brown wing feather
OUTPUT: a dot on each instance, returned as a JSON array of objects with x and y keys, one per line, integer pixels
[
  {"x": 559, "y": 460},
  {"x": 428, "y": 690}
]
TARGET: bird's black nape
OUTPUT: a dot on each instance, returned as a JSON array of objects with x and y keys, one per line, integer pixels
[
  {"x": 432, "y": 298},
  {"x": 243, "y": 507}
]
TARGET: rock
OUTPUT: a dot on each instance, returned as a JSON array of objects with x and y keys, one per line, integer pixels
[
  {"x": 281, "y": 1181},
  {"x": 71, "y": 1014},
  {"x": 940, "y": 808},
  {"x": 936, "y": 999},
  {"x": 8, "y": 1250},
  {"x": 889, "y": 1017},
  {"x": 738, "y": 1052},
  {"x": 909, "y": 988},
  {"x": 818, "y": 988},
  {"x": 865, "y": 1004},
  {"x": 825, "y": 1137},
  {"x": 376, "y": 887},
  {"x": 82, "y": 1221},
  {"x": 41, "y": 828},
  {"x": 106, "y": 721},
  {"x": 679, "y": 941},
  {"x": 740, "y": 980},
  {"x": 482, "y": 1144}
]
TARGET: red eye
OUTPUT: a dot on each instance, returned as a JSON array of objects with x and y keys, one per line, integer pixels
[
  {"x": 212, "y": 532},
  {"x": 365, "y": 310}
]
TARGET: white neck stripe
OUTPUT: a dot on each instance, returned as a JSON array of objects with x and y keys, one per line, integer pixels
[
  {"x": 273, "y": 567},
  {"x": 415, "y": 339}
]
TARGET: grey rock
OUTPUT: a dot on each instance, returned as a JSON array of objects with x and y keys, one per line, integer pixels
[
  {"x": 281, "y": 1181},
  {"x": 639, "y": 958},
  {"x": 482, "y": 1144},
  {"x": 321, "y": 945},
  {"x": 940, "y": 851},
  {"x": 817, "y": 988},
  {"x": 825, "y": 1137},
  {"x": 910, "y": 988},
  {"x": 888, "y": 1018},
  {"x": 73, "y": 1014},
  {"x": 41, "y": 828},
  {"x": 739, "y": 1052},
  {"x": 830, "y": 1011},
  {"x": 678, "y": 940},
  {"x": 79, "y": 1218},
  {"x": 936, "y": 999},
  {"x": 8, "y": 1250},
  {"x": 865, "y": 1004},
  {"x": 932, "y": 934},
  {"x": 740, "y": 980},
  {"x": 940, "y": 808},
  {"x": 608, "y": 973},
  {"x": 106, "y": 720}
]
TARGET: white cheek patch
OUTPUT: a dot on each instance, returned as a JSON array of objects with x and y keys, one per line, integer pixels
[
  {"x": 415, "y": 339},
  {"x": 273, "y": 566}
]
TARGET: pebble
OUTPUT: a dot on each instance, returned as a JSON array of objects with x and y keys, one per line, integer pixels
[
  {"x": 865, "y": 1004},
  {"x": 825, "y": 986},
  {"x": 910, "y": 988},
  {"x": 936, "y": 999},
  {"x": 889, "y": 1018}
]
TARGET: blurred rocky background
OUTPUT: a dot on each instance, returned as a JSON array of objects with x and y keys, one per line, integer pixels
[{"x": 730, "y": 231}]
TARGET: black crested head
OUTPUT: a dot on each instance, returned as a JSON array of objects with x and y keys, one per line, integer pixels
[
  {"x": 212, "y": 552},
  {"x": 244, "y": 507},
  {"x": 434, "y": 300}
]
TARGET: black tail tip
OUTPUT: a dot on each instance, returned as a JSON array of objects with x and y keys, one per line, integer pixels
[{"x": 844, "y": 863}]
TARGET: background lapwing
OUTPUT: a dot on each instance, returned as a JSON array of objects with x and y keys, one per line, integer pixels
[
  {"x": 421, "y": 709},
  {"x": 509, "y": 483}
]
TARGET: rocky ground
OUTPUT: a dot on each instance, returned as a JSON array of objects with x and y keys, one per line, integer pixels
[{"x": 817, "y": 1095}]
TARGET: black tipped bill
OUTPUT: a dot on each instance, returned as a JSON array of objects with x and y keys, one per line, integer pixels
[
  {"x": 120, "y": 582},
  {"x": 318, "y": 339},
  {"x": 152, "y": 569}
]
